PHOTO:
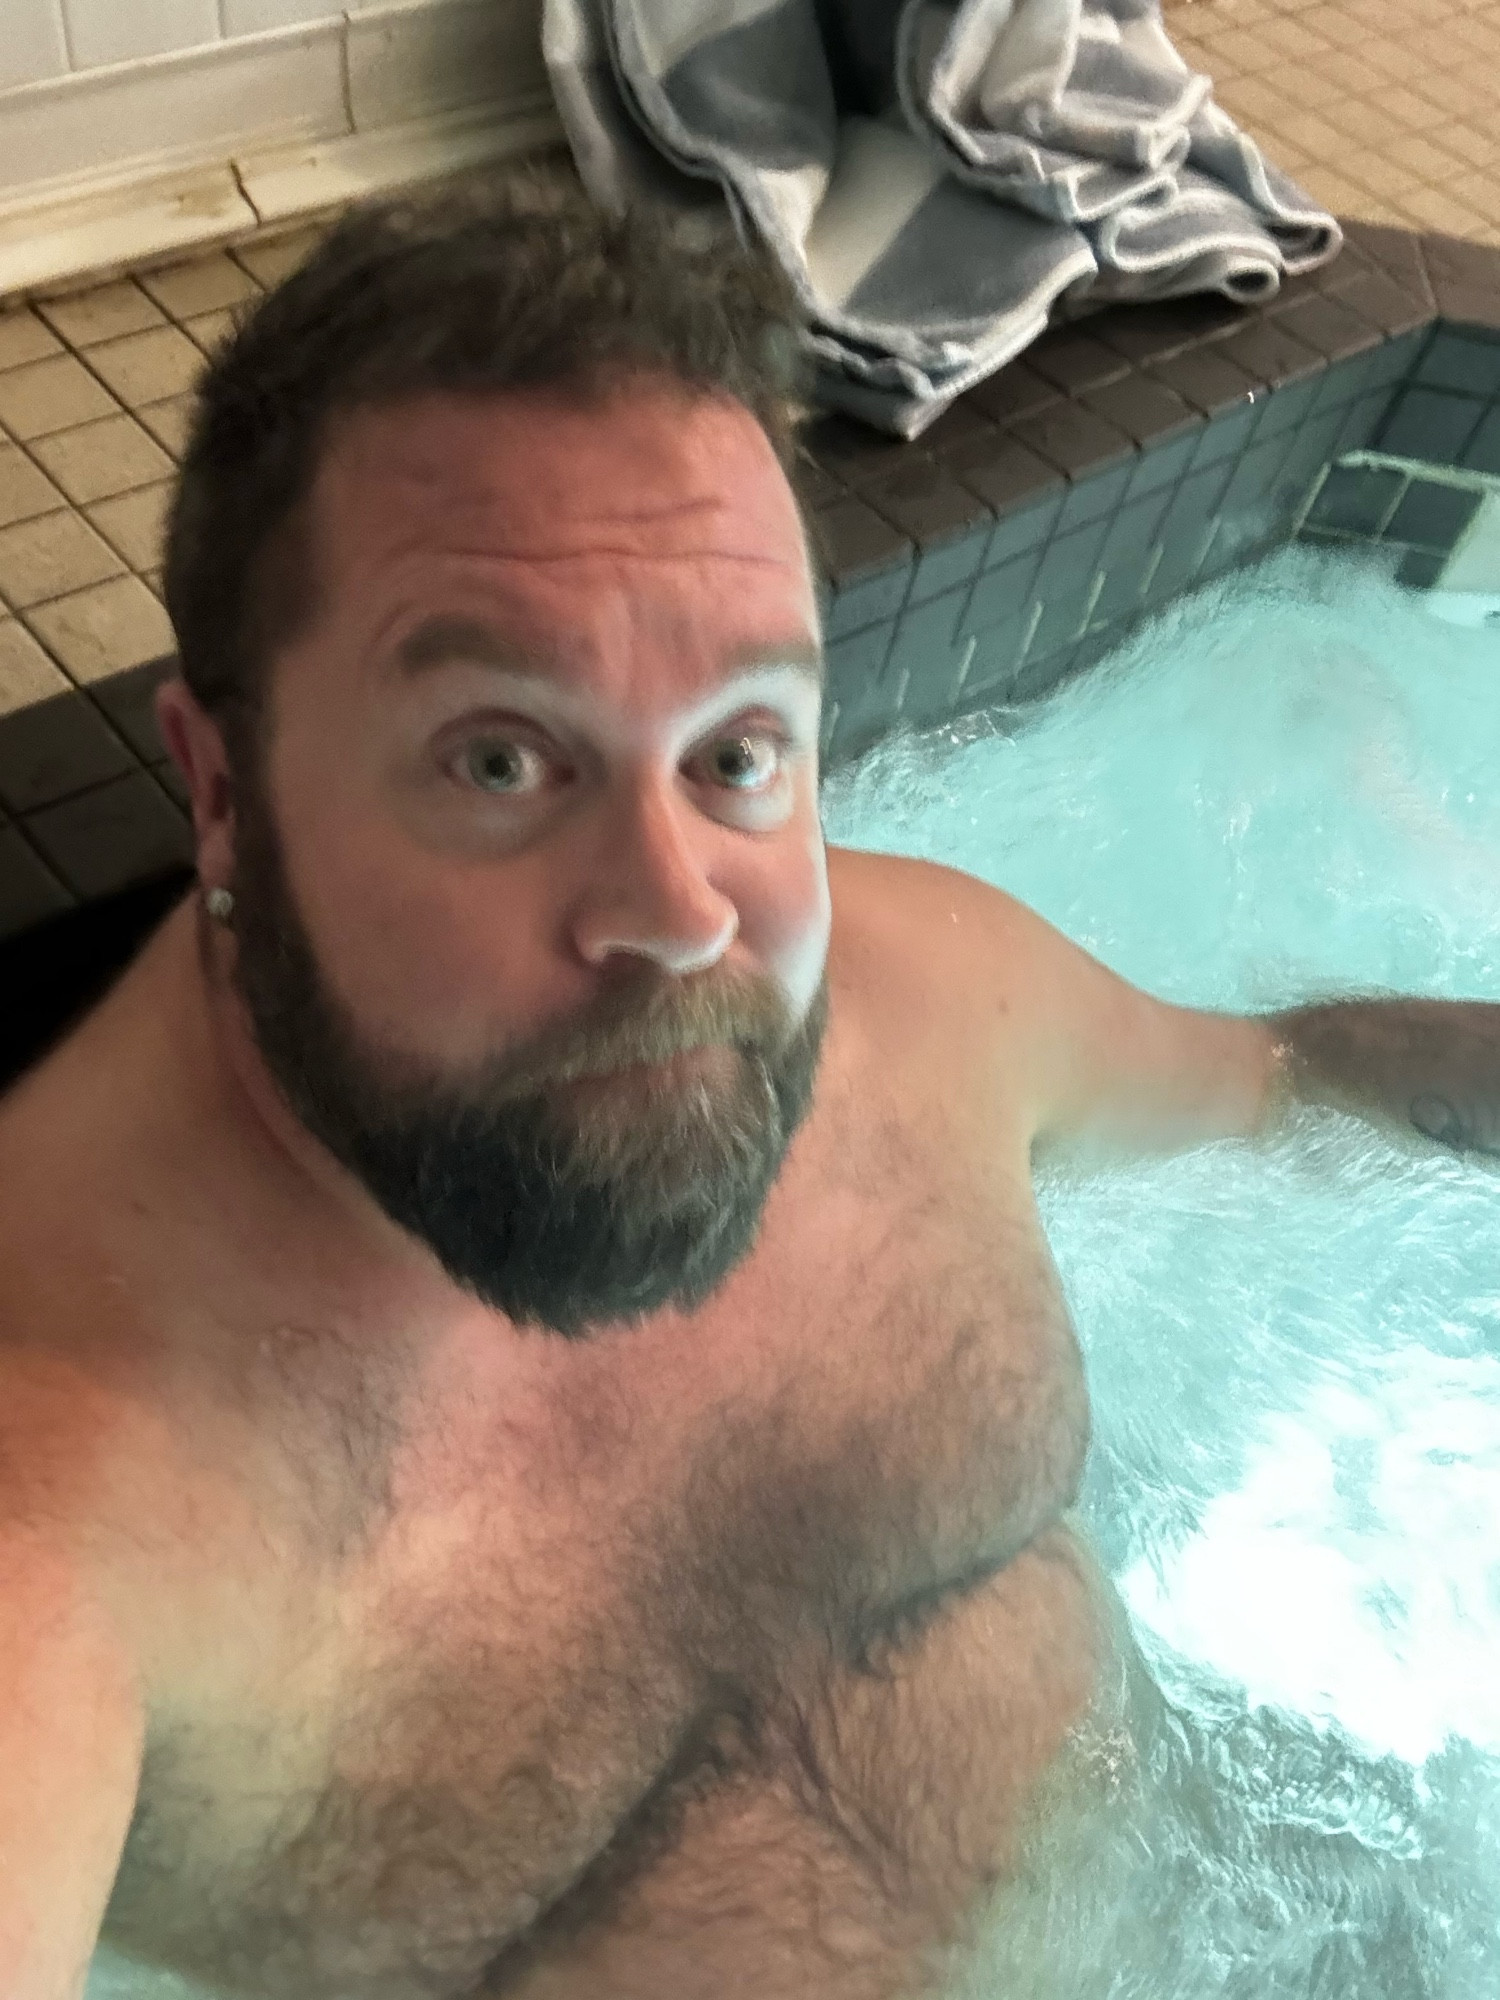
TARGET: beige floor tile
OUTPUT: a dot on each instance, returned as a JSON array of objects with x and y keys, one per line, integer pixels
[
  {"x": 145, "y": 367},
  {"x": 152, "y": 580},
  {"x": 1306, "y": 85},
  {"x": 1386, "y": 56},
  {"x": 206, "y": 284},
  {"x": 1251, "y": 100},
  {"x": 1351, "y": 72},
  {"x": 1435, "y": 208},
  {"x": 24, "y": 338},
  {"x": 1334, "y": 190},
  {"x": 1187, "y": 47},
  {"x": 1367, "y": 126},
  {"x": 1246, "y": 48},
  {"x": 50, "y": 555},
  {"x": 1480, "y": 192},
  {"x": 1382, "y": 175},
  {"x": 103, "y": 313},
  {"x": 1215, "y": 63},
  {"x": 51, "y": 395},
  {"x": 1292, "y": 40},
  {"x": 1432, "y": 45},
  {"x": 1425, "y": 155},
  {"x": 1468, "y": 101},
  {"x": 210, "y": 330},
  {"x": 98, "y": 632},
  {"x": 1382, "y": 17},
  {"x": 168, "y": 422},
  {"x": 133, "y": 523},
  {"x": 24, "y": 491},
  {"x": 27, "y": 676},
  {"x": 1406, "y": 110},
  {"x": 275, "y": 258},
  {"x": 98, "y": 460},
  {"x": 1475, "y": 147},
  {"x": 1333, "y": 24},
  {"x": 1482, "y": 38},
  {"x": 1376, "y": 208},
  {"x": 1310, "y": 132}
]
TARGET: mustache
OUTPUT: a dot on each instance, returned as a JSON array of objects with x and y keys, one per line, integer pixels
[{"x": 649, "y": 1022}]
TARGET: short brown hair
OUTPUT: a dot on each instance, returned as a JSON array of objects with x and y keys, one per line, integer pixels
[{"x": 518, "y": 282}]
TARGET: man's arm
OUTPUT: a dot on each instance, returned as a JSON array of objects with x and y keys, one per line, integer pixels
[
  {"x": 1418, "y": 1069},
  {"x": 71, "y": 1738},
  {"x": 1090, "y": 1067},
  {"x": 1107, "y": 1071}
]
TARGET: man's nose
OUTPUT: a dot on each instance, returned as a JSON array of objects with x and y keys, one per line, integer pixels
[{"x": 648, "y": 892}]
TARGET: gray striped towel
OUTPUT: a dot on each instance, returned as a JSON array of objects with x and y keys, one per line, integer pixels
[{"x": 938, "y": 178}]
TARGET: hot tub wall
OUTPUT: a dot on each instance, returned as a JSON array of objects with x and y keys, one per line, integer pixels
[{"x": 1126, "y": 459}]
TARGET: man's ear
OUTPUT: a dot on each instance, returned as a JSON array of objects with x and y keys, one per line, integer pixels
[{"x": 196, "y": 744}]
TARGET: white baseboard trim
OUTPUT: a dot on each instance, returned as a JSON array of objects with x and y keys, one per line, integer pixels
[
  {"x": 291, "y": 186},
  {"x": 268, "y": 130}
]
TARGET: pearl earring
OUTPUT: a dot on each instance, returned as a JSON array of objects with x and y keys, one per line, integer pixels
[{"x": 220, "y": 905}]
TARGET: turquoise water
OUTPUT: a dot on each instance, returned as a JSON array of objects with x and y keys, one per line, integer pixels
[{"x": 1288, "y": 786}]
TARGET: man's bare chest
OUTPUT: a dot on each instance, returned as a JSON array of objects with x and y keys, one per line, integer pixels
[{"x": 547, "y": 1652}]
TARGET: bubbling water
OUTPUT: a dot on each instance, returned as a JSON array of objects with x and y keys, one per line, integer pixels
[{"x": 1286, "y": 788}]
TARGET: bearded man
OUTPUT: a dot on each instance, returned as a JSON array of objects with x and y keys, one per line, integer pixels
[{"x": 537, "y": 1423}]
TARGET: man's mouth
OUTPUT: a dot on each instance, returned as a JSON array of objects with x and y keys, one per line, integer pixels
[{"x": 708, "y": 1062}]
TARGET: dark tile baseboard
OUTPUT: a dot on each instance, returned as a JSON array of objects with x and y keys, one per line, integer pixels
[{"x": 54, "y": 972}]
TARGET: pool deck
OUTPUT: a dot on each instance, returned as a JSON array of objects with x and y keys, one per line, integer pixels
[
  {"x": 1385, "y": 110},
  {"x": 1116, "y": 462}
]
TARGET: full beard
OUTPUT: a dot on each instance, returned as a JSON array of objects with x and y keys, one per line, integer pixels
[{"x": 554, "y": 1188}]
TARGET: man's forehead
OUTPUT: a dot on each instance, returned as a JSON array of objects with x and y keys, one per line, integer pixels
[{"x": 650, "y": 471}]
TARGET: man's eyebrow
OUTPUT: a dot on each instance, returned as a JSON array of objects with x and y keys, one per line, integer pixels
[
  {"x": 440, "y": 642},
  {"x": 449, "y": 641}
]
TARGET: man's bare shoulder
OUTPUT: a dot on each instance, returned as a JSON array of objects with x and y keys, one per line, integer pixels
[
  {"x": 952, "y": 933},
  {"x": 73, "y": 1723},
  {"x": 941, "y": 967}
]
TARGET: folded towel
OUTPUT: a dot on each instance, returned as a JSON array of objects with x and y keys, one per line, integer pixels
[{"x": 938, "y": 178}]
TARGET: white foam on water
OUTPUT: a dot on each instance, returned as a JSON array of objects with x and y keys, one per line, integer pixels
[{"x": 1352, "y": 1575}]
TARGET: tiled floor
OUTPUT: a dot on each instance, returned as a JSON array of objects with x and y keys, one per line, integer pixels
[
  {"x": 94, "y": 398},
  {"x": 1388, "y": 110}
]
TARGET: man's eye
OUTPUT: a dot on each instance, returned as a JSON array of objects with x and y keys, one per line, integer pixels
[
  {"x": 494, "y": 763},
  {"x": 735, "y": 760}
]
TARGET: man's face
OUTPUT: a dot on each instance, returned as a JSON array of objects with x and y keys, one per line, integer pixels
[{"x": 531, "y": 902}]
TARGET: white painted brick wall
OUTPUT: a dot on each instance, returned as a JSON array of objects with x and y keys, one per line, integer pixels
[
  {"x": 101, "y": 32},
  {"x": 49, "y": 38},
  {"x": 33, "y": 45}
]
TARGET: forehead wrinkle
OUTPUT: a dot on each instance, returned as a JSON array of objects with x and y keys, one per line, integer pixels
[
  {"x": 628, "y": 554},
  {"x": 698, "y": 503}
]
